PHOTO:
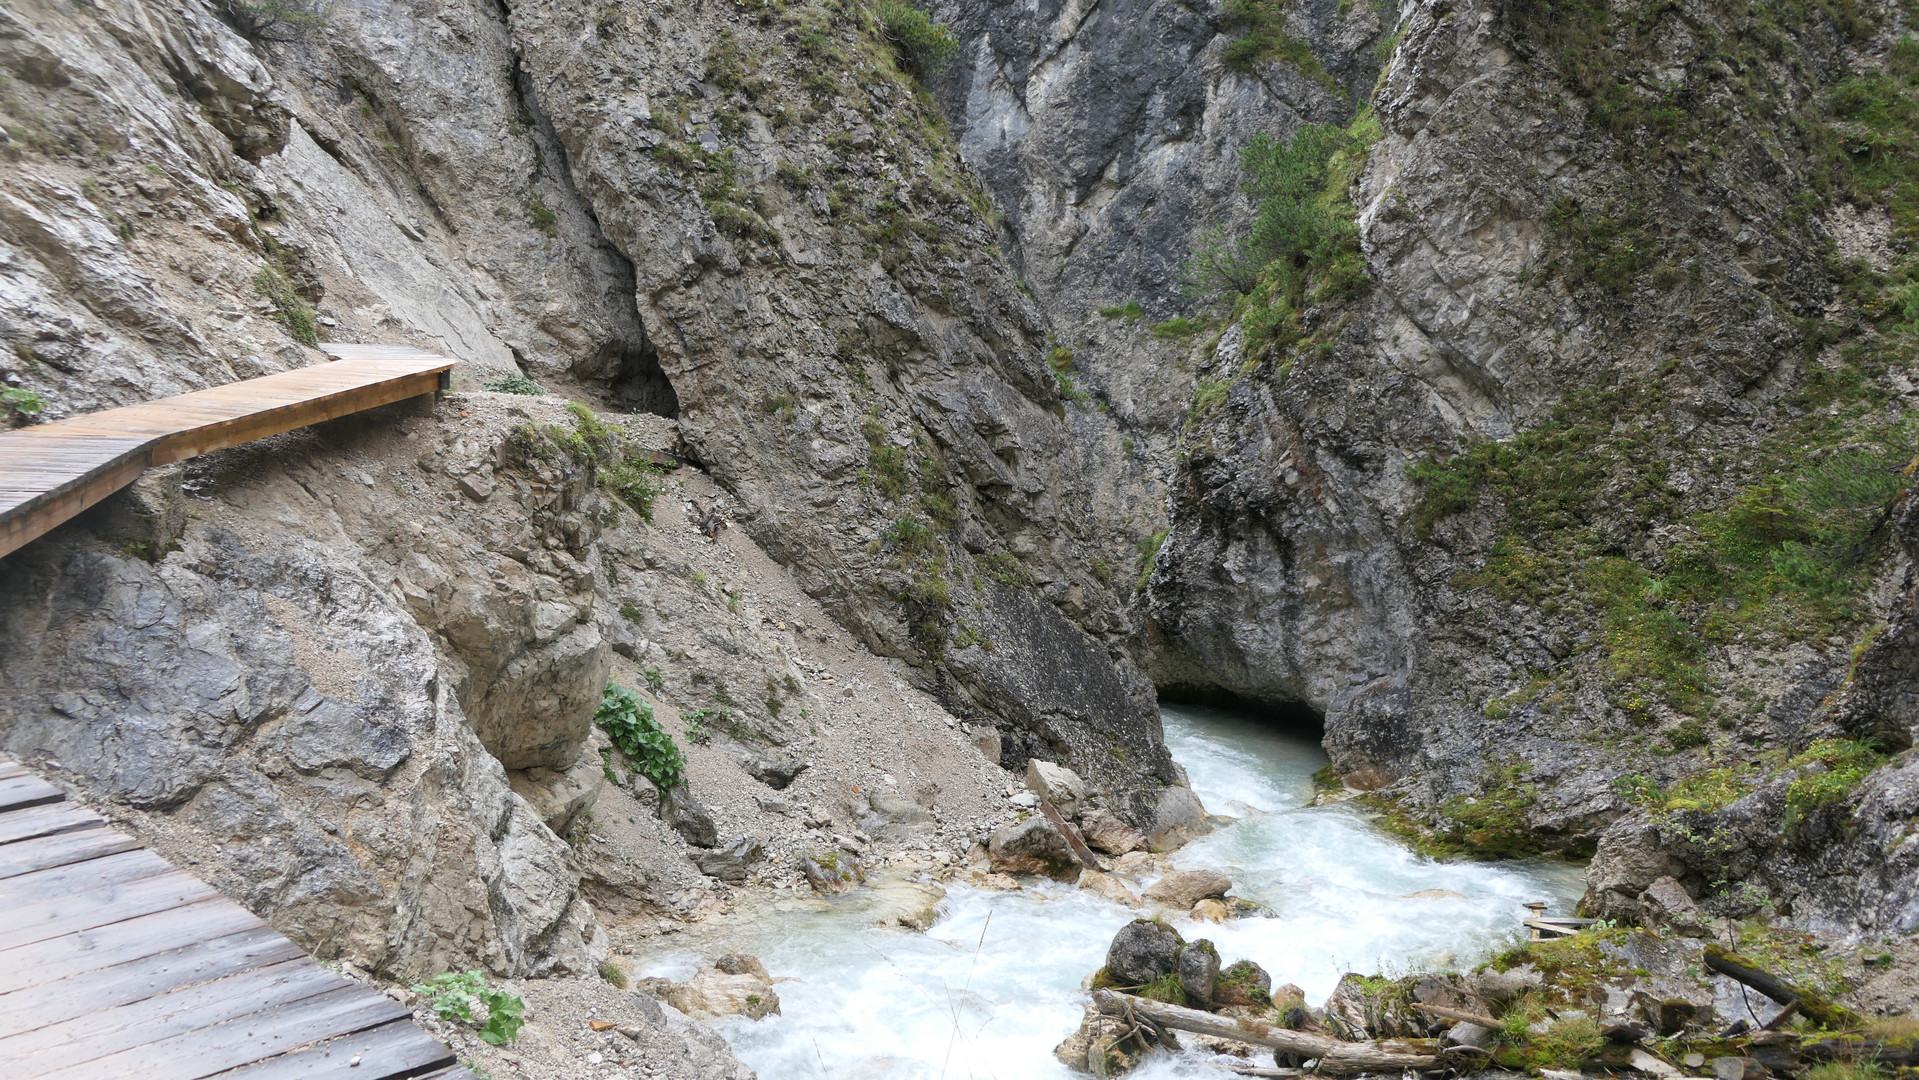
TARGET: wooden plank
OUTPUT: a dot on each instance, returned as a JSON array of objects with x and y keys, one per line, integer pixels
[
  {"x": 18, "y": 825},
  {"x": 99, "y": 907},
  {"x": 20, "y": 792},
  {"x": 109, "y": 1031},
  {"x": 397, "y": 1049},
  {"x": 10, "y": 767},
  {"x": 62, "y": 849},
  {"x": 51, "y": 472},
  {"x": 38, "y": 517},
  {"x": 58, "y": 1000},
  {"x": 17, "y": 893},
  {"x": 132, "y": 939},
  {"x": 243, "y": 1040},
  {"x": 273, "y": 421}
]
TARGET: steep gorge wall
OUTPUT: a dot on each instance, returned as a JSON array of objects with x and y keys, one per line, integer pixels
[
  {"x": 743, "y": 218},
  {"x": 1487, "y": 514}
]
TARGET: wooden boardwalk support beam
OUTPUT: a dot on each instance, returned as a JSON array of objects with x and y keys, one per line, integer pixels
[
  {"x": 51, "y": 472},
  {"x": 115, "y": 964}
]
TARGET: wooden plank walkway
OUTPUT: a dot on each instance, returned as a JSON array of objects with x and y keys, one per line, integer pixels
[
  {"x": 114, "y": 964},
  {"x": 51, "y": 472}
]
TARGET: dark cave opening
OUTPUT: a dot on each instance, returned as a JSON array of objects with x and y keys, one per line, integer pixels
[{"x": 1285, "y": 715}]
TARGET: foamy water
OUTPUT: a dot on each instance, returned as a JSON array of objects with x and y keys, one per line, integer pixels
[{"x": 994, "y": 985}]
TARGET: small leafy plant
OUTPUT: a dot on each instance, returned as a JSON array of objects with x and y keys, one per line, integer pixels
[
  {"x": 464, "y": 995},
  {"x": 515, "y": 384},
  {"x": 23, "y": 403},
  {"x": 272, "y": 283},
  {"x": 629, "y": 722}
]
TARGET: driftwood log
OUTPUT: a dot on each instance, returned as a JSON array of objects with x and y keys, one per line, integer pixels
[
  {"x": 1818, "y": 1009},
  {"x": 1334, "y": 1056},
  {"x": 1459, "y": 1014}
]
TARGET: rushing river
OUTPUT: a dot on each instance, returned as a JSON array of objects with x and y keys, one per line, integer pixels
[{"x": 994, "y": 985}]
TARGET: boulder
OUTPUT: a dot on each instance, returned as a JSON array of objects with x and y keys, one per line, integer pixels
[
  {"x": 712, "y": 993},
  {"x": 1097, "y": 1030},
  {"x": 1177, "y": 818},
  {"x": 1467, "y": 1033},
  {"x": 1243, "y": 983},
  {"x": 909, "y": 905},
  {"x": 1667, "y": 903},
  {"x": 1108, "y": 886},
  {"x": 886, "y": 816},
  {"x": 774, "y": 770},
  {"x": 1372, "y": 1008},
  {"x": 1143, "y": 950},
  {"x": 1184, "y": 888},
  {"x": 679, "y": 809},
  {"x": 1034, "y": 847},
  {"x": 1198, "y": 968},
  {"x": 1107, "y": 833},
  {"x": 740, "y": 963},
  {"x": 1056, "y": 784},
  {"x": 729, "y": 863},
  {"x": 832, "y": 872},
  {"x": 1211, "y": 910}
]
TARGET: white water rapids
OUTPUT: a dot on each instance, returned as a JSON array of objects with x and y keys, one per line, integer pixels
[{"x": 995, "y": 984}]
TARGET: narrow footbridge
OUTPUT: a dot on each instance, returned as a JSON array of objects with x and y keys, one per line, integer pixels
[
  {"x": 50, "y": 472},
  {"x": 114, "y": 964}
]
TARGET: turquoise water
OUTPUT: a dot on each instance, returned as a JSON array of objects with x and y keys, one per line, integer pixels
[{"x": 994, "y": 985}]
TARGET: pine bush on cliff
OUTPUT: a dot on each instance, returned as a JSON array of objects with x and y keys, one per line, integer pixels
[
  {"x": 1303, "y": 247},
  {"x": 921, "y": 44}
]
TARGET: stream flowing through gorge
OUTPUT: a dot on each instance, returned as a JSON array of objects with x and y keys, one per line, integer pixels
[{"x": 994, "y": 985}]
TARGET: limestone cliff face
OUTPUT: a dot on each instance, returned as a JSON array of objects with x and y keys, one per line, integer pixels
[
  {"x": 746, "y": 219},
  {"x": 1636, "y": 305},
  {"x": 326, "y": 685}
]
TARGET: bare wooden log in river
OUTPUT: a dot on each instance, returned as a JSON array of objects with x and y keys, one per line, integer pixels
[
  {"x": 1441, "y": 1011},
  {"x": 1334, "y": 1055}
]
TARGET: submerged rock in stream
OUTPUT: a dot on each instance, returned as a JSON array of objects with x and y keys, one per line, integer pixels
[{"x": 832, "y": 872}]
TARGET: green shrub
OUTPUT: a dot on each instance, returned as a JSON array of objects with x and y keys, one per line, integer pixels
[
  {"x": 22, "y": 403},
  {"x": 1129, "y": 311},
  {"x": 637, "y": 481},
  {"x": 515, "y": 384},
  {"x": 1261, "y": 24},
  {"x": 629, "y": 722},
  {"x": 462, "y": 995},
  {"x": 921, "y": 44},
  {"x": 273, "y": 20},
  {"x": 271, "y": 282},
  {"x": 1847, "y": 762}
]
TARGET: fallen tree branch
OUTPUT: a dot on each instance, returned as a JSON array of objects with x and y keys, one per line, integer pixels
[
  {"x": 1785, "y": 1014},
  {"x": 1459, "y": 1014},
  {"x": 1334, "y": 1056},
  {"x": 1817, "y": 1009}
]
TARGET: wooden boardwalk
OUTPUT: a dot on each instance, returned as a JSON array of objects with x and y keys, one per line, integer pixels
[
  {"x": 113, "y": 964},
  {"x": 50, "y": 472}
]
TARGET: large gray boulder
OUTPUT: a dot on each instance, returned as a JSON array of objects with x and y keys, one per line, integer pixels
[
  {"x": 679, "y": 809},
  {"x": 1143, "y": 950},
  {"x": 730, "y": 862},
  {"x": 1056, "y": 784},
  {"x": 1034, "y": 847},
  {"x": 1105, "y": 832},
  {"x": 1177, "y": 818},
  {"x": 1198, "y": 968},
  {"x": 1184, "y": 888}
]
